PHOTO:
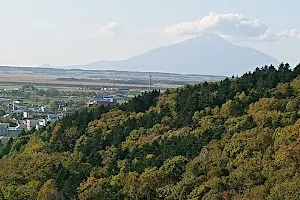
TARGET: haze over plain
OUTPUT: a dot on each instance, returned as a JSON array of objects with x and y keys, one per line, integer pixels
[{"x": 97, "y": 30}]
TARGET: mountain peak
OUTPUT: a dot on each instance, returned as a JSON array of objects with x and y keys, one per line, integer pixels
[
  {"x": 45, "y": 65},
  {"x": 209, "y": 38}
]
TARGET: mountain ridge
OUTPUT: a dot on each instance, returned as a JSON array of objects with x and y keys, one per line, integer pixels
[{"x": 207, "y": 54}]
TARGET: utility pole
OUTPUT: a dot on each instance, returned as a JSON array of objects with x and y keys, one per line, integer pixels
[{"x": 150, "y": 82}]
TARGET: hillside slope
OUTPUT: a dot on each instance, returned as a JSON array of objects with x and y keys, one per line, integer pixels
[{"x": 233, "y": 139}]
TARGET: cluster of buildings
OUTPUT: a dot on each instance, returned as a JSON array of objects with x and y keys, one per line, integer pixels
[
  {"x": 30, "y": 117},
  {"x": 105, "y": 101},
  {"x": 26, "y": 124}
]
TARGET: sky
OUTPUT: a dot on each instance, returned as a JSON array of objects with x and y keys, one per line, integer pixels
[{"x": 69, "y": 32}]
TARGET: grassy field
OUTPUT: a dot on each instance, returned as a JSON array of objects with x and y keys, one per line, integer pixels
[{"x": 13, "y": 81}]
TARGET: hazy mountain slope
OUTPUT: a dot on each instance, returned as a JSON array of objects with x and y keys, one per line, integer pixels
[{"x": 208, "y": 54}]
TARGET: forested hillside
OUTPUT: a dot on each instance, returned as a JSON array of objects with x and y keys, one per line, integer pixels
[{"x": 234, "y": 139}]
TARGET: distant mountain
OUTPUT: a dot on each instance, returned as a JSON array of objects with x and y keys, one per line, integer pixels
[
  {"x": 207, "y": 54},
  {"x": 45, "y": 65}
]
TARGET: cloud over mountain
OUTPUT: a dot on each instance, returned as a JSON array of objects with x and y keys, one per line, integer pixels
[
  {"x": 228, "y": 24},
  {"x": 231, "y": 25},
  {"x": 271, "y": 36}
]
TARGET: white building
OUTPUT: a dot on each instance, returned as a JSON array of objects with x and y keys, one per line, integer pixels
[
  {"x": 31, "y": 123},
  {"x": 26, "y": 114},
  {"x": 42, "y": 122}
]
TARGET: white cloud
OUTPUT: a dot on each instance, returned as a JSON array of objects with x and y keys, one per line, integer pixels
[
  {"x": 226, "y": 24},
  {"x": 272, "y": 36},
  {"x": 110, "y": 30},
  {"x": 289, "y": 33},
  {"x": 232, "y": 26}
]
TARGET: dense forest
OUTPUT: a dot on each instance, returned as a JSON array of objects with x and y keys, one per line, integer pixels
[{"x": 234, "y": 139}]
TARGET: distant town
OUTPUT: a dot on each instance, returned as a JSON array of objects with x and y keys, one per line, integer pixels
[{"x": 27, "y": 108}]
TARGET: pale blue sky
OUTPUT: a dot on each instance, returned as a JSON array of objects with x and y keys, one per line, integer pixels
[{"x": 65, "y": 32}]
